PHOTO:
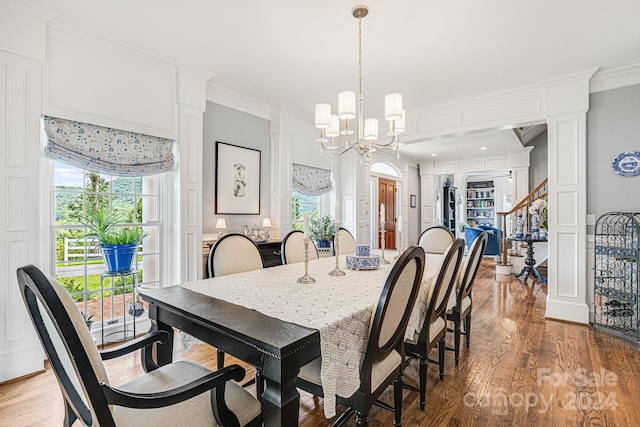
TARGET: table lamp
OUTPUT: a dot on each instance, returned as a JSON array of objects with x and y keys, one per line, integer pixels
[
  {"x": 266, "y": 224},
  {"x": 221, "y": 225}
]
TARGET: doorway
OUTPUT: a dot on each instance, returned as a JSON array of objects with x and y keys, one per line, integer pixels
[{"x": 387, "y": 191}]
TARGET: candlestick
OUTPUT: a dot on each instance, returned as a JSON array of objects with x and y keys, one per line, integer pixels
[
  {"x": 306, "y": 278},
  {"x": 336, "y": 243},
  {"x": 306, "y": 225},
  {"x": 399, "y": 245},
  {"x": 338, "y": 213},
  {"x": 399, "y": 227},
  {"x": 382, "y": 212},
  {"x": 382, "y": 231}
]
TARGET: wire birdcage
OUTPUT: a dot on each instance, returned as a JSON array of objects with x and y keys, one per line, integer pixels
[{"x": 617, "y": 256}]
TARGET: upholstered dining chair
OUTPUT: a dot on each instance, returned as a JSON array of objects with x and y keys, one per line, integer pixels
[
  {"x": 347, "y": 242},
  {"x": 435, "y": 240},
  {"x": 179, "y": 393},
  {"x": 383, "y": 362},
  {"x": 234, "y": 253},
  {"x": 460, "y": 302},
  {"x": 434, "y": 327},
  {"x": 292, "y": 248}
]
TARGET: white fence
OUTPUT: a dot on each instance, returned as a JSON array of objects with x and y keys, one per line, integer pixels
[{"x": 74, "y": 249}]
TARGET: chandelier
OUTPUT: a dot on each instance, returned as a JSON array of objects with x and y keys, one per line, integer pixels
[{"x": 336, "y": 132}]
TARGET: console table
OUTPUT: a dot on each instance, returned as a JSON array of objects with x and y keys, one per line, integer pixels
[
  {"x": 529, "y": 261},
  {"x": 270, "y": 251}
]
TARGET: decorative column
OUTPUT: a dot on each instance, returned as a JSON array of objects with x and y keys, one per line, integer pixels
[
  {"x": 282, "y": 124},
  {"x": 567, "y": 102},
  {"x": 427, "y": 195}
]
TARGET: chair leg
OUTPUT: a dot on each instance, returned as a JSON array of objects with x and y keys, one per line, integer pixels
[
  {"x": 456, "y": 339},
  {"x": 219, "y": 359},
  {"x": 69, "y": 415},
  {"x": 467, "y": 329},
  {"x": 362, "y": 419},
  {"x": 441, "y": 359},
  {"x": 397, "y": 401},
  {"x": 343, "y": 418},
  {"x": 423, "y": 382},
  {"x": 259, "y": 384}
]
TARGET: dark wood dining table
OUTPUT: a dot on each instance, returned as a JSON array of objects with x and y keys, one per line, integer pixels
[{"x": 276, "y": 347}]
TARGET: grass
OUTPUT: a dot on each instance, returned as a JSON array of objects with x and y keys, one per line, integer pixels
[{"x": 75, "y": 285}]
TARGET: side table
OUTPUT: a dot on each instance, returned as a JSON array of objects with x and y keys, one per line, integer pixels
[
  {"x": 134, "y": 311},
  {"x": 529, "y": 261}
]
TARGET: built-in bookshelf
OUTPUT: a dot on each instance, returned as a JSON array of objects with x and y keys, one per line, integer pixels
[{"x": 481, "y": 203}]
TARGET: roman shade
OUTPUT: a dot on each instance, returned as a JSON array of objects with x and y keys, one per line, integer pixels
[
  {"x": 106, "y": 150},
  {"x": 311, "y": 181}
]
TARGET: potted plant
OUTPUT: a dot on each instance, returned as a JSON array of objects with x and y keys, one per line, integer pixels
[
  {"x": 119, "y": 244},
  {"x": 321, "y": 229}
]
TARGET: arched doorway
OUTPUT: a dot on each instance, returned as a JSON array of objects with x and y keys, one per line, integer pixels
[{"x": 386, "y": 196}]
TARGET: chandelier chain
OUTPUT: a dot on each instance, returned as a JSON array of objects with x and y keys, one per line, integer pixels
[{"x": 360, "y": 55}]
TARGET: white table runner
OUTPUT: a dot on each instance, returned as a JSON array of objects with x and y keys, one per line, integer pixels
[{"x": 339, "y": 307}]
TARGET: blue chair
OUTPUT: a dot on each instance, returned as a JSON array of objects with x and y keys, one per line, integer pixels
[{"x": 494, "y": 237}]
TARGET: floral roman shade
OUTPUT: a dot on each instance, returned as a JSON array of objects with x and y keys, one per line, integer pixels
[
  {"x": 311, "y": 181},
  {"x": 106, "y": 150}
]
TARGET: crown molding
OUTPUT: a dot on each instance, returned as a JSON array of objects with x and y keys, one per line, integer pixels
[
  {"x": 569, "y": 78},
  {"x": 238, "y": 101},
  {"x": 40, "y": 12},
  {"x": 615, "y": 78}
]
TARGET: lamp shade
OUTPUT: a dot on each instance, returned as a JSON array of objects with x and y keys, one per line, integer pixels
[
  {"x": 347, "y": 105},
  {"x": 221, "y": 224},
  {"x": 393, "y": 106},
  {"x": 334, "y": 129},
  {"x": 371, "y": 129},
  {"x": 323, "y": 116},
  {"x": 266, "y": 222}
]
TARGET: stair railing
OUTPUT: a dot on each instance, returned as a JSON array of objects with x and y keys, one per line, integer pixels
[{"x": 522, "y": 207}]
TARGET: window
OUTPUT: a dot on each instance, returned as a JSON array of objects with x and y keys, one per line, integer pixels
[
  {"x": 78, "y": 260},
  {"x": 302, "y": 203}
]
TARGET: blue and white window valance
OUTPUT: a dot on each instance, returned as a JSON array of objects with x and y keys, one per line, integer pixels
[
  {"x": 106, "y": 150},
  {"x": 311, "y": 181}
]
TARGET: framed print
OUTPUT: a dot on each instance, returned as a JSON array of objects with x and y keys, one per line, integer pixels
[
  {"x": 237, "y": 180},
  {"x": 412, "y": 201}
]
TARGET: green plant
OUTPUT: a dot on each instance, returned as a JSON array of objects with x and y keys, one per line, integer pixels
[
  {"x": 88, "y": 318},
  {"x": 103, "y": 223},
  {"x": 321, "y": 228}
]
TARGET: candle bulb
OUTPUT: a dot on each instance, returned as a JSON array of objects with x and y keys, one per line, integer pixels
[
  {"x": 382, "y": 212},
  {"x": 306, "y": 225},
  {"x": 400, "y": 223}
]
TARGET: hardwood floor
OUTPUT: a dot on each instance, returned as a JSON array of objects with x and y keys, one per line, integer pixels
[{"x": 519, "y": 370}]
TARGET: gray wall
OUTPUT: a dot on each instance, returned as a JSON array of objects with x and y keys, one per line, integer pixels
[
  {"x": 539, "y": 163},
  {"x": 413, "y": 229},
  {"x": 613, "y": 126},
  {"x": 233, "y": 127}
]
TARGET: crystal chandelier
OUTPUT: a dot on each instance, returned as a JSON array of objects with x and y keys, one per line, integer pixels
[{"x": 336, "y": 132}]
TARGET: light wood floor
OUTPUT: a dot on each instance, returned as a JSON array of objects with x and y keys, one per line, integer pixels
[{"x": 520, "y": 370}]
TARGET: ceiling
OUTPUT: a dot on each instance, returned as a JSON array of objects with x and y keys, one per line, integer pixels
[{"x": 434, "y": 52}]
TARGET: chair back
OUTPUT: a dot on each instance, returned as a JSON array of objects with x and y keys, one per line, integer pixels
[
  {"x": 233, "y": 253},
  {"x": 471, "y": 267},
  {"x": 442, "y": 286},
  {"x": 347, "y": 242},
  {"x": 292, "y": 248},
  {"x": 435, "y": 240},
  {"x": 68, "y": 344},
  {"x": 391, "y": 315}
]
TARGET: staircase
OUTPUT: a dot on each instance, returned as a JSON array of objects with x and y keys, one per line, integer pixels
[{"x": 525, "y": 207}]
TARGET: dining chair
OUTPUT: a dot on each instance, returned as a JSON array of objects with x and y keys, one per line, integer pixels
[
  {"x": 434, "y": 327},
  {"x": 460, "y": 302},
  {"x": 383, "y": 362},
  {"x": 292, "y": 248},
  {"x": 435, "y": 240},
  {"x": 179, "y": 393},
  {"x": 233, "y": 253},
  {"x": 347, "y": 242}
]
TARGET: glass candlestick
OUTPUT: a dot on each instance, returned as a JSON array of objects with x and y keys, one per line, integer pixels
[
  {"x": 399, "y": 246},
  {"x": 336, "y": 271},
  {"x": 306, "y": 278},
  {"x": 382, "y": 232}
]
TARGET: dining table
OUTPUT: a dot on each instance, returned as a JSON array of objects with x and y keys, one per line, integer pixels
[{"x": 269, "y": 320}]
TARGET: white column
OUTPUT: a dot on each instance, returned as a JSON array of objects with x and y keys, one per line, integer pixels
[
  {"x": 282, "y": 124},
  {"x": 427, "y": 195},
  {"x": 22, "y": 236},
  {"x": 567, "y": 101},
  {"x": 187, "y": 206}
]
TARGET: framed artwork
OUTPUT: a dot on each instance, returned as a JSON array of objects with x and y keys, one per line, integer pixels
[
  {"x": 412, "y": 201},
  {"x": 237, "y": 180}
]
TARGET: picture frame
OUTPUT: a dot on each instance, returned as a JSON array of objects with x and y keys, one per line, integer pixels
[
  {"x": 412, "y": 201},
  {"x": 237, "y": 180}
]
